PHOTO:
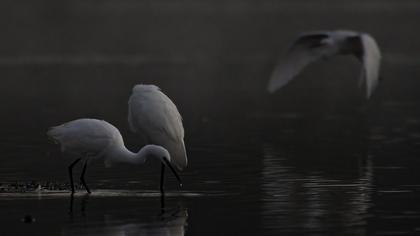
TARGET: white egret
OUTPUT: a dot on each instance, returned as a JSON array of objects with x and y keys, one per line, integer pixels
[
  {"x": 314, "y": 46},
  {"x": 93, "y": 139},
  {"x": 152, "y": 114}
]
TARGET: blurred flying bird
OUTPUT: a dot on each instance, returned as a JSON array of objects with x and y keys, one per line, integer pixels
[
  {"x": 153, "y": 115},
  {"x": 313, "y": 46},
  {"x": 93, "y": 139}
]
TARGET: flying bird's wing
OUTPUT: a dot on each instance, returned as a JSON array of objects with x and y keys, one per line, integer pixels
[
  {"x": 371, "y": 58},
  {"x": 152, "y": 114},
  {"x": 306, "y": 49}
]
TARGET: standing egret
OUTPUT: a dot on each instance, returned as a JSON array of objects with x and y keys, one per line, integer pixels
[
  {"x": 313, "y": 46},
  {"x": 152, "y": 114},
  {"x": 93, "y": 139}
]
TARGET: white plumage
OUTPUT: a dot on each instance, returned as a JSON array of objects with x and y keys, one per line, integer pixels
[
  {"x": 92, "y": 138},
  {"x": 314, "y": 46},
  {"x": 89, "y": 137},
  {"x": 152, "y": 114}
]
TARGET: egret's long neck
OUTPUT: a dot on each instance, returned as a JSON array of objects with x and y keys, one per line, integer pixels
[{"x": 121, "y": 154}]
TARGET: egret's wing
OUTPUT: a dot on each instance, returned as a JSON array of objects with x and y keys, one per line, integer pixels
[
  {"x": 371, "y": 59},
  {"x": 151, "y": 110},
  {"x": 152, "y": 114},
  {"x": 306, "y": 49}
]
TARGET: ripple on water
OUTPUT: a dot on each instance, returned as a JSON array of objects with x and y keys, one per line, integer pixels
[{"x": 105, "y": 193}]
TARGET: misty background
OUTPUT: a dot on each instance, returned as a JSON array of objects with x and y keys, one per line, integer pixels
[{"x": 70, "y": 59}]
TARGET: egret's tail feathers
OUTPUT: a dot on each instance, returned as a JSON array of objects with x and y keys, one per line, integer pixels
[
  {"x": 52, "y": 134},
  {"x": 180, "y": 157}
]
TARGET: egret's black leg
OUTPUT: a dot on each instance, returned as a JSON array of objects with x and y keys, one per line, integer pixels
[
  {"x": 71, "y": 206},
  {"x": 82, "y": 177},
  {"x": 162, "y": 204},
  {"x": 84, "y": 203},
  {"x": 71, "y": 173},
  {"x": 162, "y": 179}
]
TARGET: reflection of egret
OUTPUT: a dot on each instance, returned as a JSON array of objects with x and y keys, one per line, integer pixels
[
  {"x": 154, "y": 116},
  {"x": 91, "y": 139},
  {"x": 171, "y": 223},
  {"x": 313, "y": 46},
  {"x": 301, "y": 196},
  {"x": 83, "y": 204}
]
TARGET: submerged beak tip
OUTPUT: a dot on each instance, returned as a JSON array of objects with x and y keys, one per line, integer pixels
[{"x": 173, "y": 171}]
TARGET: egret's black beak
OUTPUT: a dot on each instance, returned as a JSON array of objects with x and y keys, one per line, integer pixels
[{"x": 173, "y": 171}]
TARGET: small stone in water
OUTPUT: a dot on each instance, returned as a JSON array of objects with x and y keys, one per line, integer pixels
[{"x": 28, "y": 219}]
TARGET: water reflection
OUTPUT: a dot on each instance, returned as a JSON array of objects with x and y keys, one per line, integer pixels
[
  {"x": 317, "y": 187},
  {"x": 83, "y": 202},
  {"x": 312, "y": 199},
  {"x": 166, "y": 221},
  {"x": 173, "y": 222}
]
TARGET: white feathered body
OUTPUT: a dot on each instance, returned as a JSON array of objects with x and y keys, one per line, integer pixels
[
  {"x": 152, "y": 114},
  {"x": 87, "y": 137}
]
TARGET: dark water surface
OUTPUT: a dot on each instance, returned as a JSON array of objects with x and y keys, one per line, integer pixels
[
  {"x": 315, "y": 158},
  {"x": 341, "y": 175}
]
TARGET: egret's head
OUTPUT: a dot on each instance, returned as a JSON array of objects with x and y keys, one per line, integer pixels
[{"x": 163, "y": 155}]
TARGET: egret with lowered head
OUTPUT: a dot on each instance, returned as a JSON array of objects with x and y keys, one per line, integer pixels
[{"x": 94, "y": 139}]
